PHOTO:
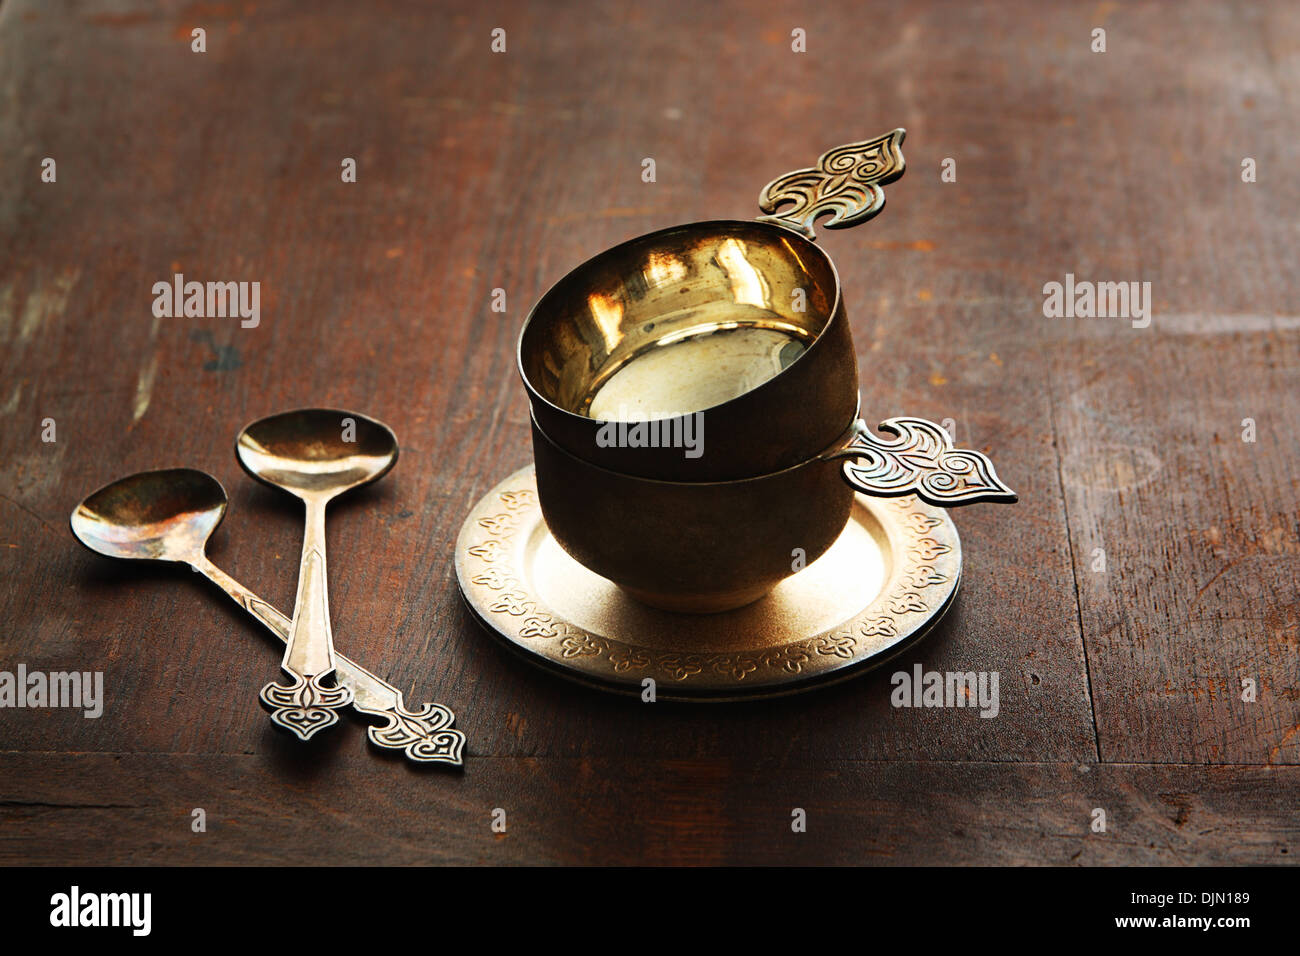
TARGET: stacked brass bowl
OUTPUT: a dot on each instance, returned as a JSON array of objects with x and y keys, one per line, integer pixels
[{"x": 694, "y": 399}]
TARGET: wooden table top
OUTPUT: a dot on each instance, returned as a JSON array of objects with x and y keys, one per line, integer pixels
[{"x": 1121, "y": 689}]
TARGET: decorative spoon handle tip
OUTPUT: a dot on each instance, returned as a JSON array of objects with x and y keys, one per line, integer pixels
[
  {"x": 306, "y": 706},
  {"x": 425, "y": 735}
]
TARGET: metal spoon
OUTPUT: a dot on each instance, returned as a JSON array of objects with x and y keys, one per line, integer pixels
[
  {"x": 169, "y": 516},
  {"x": 315, "y": 454}
]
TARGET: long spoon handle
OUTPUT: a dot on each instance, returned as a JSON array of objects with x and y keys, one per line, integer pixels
[
  {"x": 426, "y": 735},
  {"x": 308, "y": 705}
]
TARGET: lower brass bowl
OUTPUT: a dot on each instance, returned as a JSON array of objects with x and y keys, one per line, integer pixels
[{"x": 697, "y": 547}]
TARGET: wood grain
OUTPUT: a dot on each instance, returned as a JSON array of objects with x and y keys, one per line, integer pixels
[
  {"x": 1201, "y": 534},
  {"x": 479, "y": 171},
  {"x": 282, "y": 806}
]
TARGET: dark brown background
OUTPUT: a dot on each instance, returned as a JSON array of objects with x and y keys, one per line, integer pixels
[{"x": 1119, "y": 690}]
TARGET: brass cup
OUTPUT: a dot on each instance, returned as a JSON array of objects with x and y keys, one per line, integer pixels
[{"x": 782, "y": 455}]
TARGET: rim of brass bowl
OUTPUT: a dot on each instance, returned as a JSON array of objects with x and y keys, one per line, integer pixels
[
  {"x": 583, "y": 320},
  {"x": 593, "y": 513}
]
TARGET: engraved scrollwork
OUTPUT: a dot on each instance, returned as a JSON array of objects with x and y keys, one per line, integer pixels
[
  {"x": 306, "y": 706},
  {"x": 583, "y": 645},
  {"x": 791, "y": 659},
  {"x": 518, "y": 499},
  {"x": 925, "y": 576},
  {"x": 488, "y": 551},
  {"x": 500, "y": 525},
  {"x": 922, "y": 523},
  {"x": 424, "y": 735},
  {"x": 907, "y": 603},
  {"x": 494, "y": 578},
  {"x": 845, "y": 184},
  {"x": 838, "y": 645},
  {"x": 920, "y": 461},
  {"x": 624, "y": 658},
  {"x": 734, "y": 666},
  {"x": 539, "y": 625},
  {"x": 878, "y": 627},
  {"x": 927, "y": 549},
  {"x": 513, "y": 602},
  {"x": 680, "y": 668}
]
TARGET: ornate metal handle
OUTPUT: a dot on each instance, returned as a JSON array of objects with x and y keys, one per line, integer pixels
[
  {"x": 920, "y": 461},
  {"x": 307, "y": 705},
  {"x": 845, "y": 183},
  {"x": 425, "y": 735}
]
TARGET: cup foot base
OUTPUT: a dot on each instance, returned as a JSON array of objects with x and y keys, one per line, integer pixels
[{"x": 700, "y": 603}]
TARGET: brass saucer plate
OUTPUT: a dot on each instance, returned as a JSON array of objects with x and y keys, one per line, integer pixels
[{"x": 885, "y": 582}]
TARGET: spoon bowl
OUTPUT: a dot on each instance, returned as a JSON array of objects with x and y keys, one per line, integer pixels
[
  {"x": 316, "y": 450},
  {"x": 165, "y": 515}
]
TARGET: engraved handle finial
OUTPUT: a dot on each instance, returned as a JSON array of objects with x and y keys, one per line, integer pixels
[
  {"x": 845, "y": 184},
  {"x": 426, "y": 734},
  {"x": 922, "y": 461}
]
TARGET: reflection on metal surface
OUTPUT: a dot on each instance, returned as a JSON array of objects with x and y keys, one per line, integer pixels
[
  {"x": 663, "y": 268},
  {"x": 607, "y": 313},
  {"x": 748, "y": 287}
]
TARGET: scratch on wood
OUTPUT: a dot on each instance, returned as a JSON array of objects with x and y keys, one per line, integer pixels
[
  {"x": 46, "y": 302},
  {"x": 1203, "y": 323},
  {"x": 144, "y": 389},
  {"x": 6, "y": 311},
  {"x": 1274, "y": 751},
  {"x": 11, "y": 406},
  {"x": 26, "y": 510}
]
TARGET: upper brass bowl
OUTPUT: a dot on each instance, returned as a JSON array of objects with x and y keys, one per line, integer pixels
[
  {"x": 696, "y": 284},
  {"x": 738, "y": 326}
]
